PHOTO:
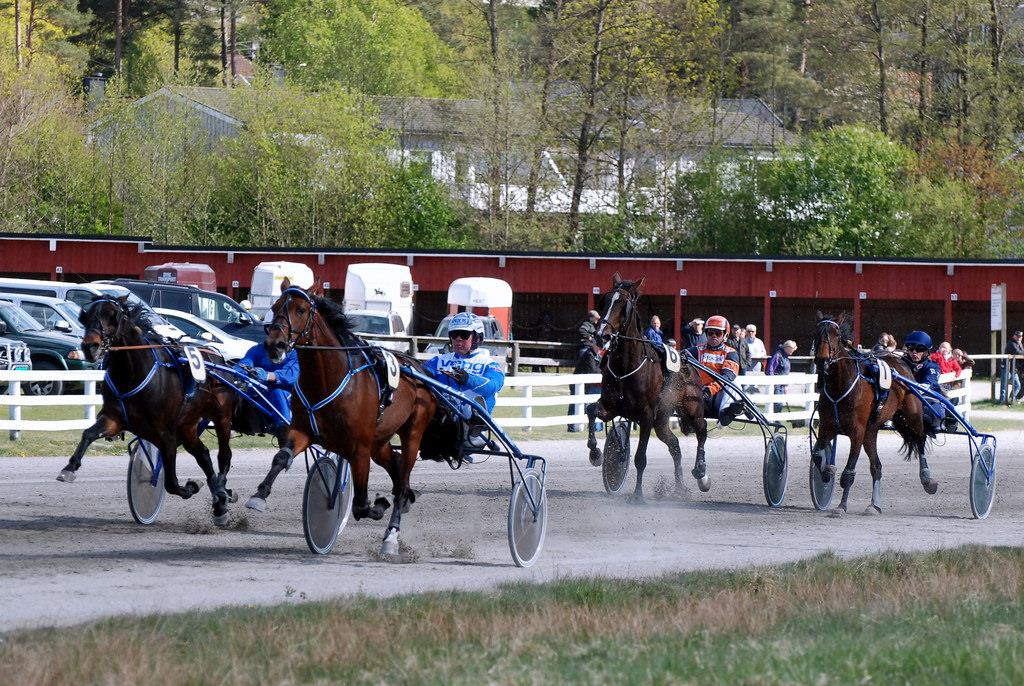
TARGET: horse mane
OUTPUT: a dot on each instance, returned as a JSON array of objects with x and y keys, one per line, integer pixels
[
  {"x": 844, "y": 320},
  {"x": 336, "y": 319},
  {"x": 128, "y": 313}
]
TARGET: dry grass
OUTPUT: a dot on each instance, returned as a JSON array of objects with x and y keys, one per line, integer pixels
[{"x": 357, "y": 638}]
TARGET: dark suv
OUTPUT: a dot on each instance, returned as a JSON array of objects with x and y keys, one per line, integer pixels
[
  {"x": 216, "y": 308},
  {"x": 48, "y": 349}
]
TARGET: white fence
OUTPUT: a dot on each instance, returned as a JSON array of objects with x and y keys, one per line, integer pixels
[{"x": 529, "y": 397}]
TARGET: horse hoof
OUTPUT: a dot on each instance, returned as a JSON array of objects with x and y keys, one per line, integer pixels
[
  {"x": 837, "y": 513},
  {"x": 66, "y": 475},
  {"x": 596, "y": 457},
  {"x": 220, "y": 520},
  {"x": 828, "y": 473},
  {"x": 636, "y": 499},
  {"x": 389, "y": 548},
  {"x": 931, "y": 486},
  {"x": 194, "y": 485},
  {"x": 256, "y": 503},
  {"x": 704, "y": 483},
  {"x": 232, "y": 496},
  {"x": 873, "y": 510}
]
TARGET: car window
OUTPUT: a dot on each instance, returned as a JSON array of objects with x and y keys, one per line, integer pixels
[
  {"x": 365, "y": 323},
  {"x": 176, "y": 300},
  {"x": 442, "y": 329},
  {"x": 70, "y": 309},
  {"x": 79, "y": 296},
  {"x": 398, "y": 324},
  {"x": 185, "y": 325},
  {"x": 23, "y": 290},
  {"x": 43, "y": 314},
  {"x": 18, "y": 320},
  {"x": 217, "y": 309}
]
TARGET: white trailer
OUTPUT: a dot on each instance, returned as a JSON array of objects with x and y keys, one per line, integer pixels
[
  {"x": 378, "y": 287},
  {"x": 266, "y": 283}
]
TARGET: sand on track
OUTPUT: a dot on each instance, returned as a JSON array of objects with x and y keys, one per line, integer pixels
[{"x": 71, "y": 552}]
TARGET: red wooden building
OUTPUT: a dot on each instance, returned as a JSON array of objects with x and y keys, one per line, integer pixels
[{"x": 553, "y": 291}]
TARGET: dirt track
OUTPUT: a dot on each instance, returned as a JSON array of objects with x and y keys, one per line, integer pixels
[{"x": 71, "y": 552}]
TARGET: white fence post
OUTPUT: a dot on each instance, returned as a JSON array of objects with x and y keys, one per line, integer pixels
[
  {"x": 90, "y": 409},
  {"x": 577, "y": 408},
  {"x": 527, "y": 408},
  {"x": 14, "y": 413}
]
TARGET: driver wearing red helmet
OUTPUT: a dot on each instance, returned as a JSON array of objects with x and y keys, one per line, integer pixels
[{"x": 723, "y": 359}]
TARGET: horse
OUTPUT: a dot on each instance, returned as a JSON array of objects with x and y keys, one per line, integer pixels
[
  {"x": 848, "y": 405},
  {"x": 634, "y": 386},
  {"x": 337, "y": 404},
  {"x": 147, "y": 391}
]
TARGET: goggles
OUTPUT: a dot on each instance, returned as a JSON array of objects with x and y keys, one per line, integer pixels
[
  {"x": 461, "y": 335},
  {"x": 917, "y": 348}
]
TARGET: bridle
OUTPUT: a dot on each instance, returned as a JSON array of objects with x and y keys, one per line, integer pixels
[
  {"x": 616, "y": 335},
  {"x": 831, "y": 360},
  {"x": 96, "y": 323},
  {"x": 286, "y": 318},
  {"x": 821, "y": 337}
]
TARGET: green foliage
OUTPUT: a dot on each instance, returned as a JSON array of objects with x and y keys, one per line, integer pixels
[{"x": 379, "y": 47}]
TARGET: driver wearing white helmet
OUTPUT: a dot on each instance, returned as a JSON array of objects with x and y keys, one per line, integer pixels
[{"x": 468, "y": 368}]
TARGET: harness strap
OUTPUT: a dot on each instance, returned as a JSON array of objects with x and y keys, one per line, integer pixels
[
  {"x": 312, "y": 409},
  {"x": 835, "y": 401}
]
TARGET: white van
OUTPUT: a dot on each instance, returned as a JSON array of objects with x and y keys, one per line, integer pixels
[
  {"x": 266, "y": 283},
  {"x": 376, "y": 287}
]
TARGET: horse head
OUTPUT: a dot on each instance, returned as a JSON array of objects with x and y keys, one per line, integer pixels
[
  {"x": 831, "y": 336},
  {"x": 619, "y": 305},
  {"x": 105, "y": 320},
  {"x": 294, "y": 315}
]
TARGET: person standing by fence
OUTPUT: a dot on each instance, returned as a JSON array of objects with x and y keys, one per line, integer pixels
[
  {"x": 1011, "y": 387},
  {"x": 780, "y": 365},
  {"x": 588, "y": 358}
]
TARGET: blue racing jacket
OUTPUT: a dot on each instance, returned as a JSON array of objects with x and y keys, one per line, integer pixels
[
  {"x": 287, "y": 371},
  {"x": 485, "y": 375},
  {"x": 926, "y": 373}
]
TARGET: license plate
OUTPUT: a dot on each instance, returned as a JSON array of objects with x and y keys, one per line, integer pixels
[{"x": 22, "y": 367}]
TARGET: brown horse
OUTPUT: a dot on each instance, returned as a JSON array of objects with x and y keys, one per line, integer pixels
[
  {"x": 848, "y": 406},
  {"x": 146, "y": 392},
  {"x": 337, "y": 400},
  {"x": 634, "y": 386}
]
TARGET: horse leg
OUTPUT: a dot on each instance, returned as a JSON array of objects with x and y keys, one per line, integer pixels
[
  {"x": 640, "y": 460},
  {"x": 169, "y": 454},
  {"x": 104, "y": 427},
  {"x": 218, "y": 491},
  {"x": 223, "y": 428},
  {"x": 849, "y": 472},
  {"x": 871, "y": 448},
  {"x": 592, "y": 410},
  {"x": 361, "y": 507},
  {"x": 701, "y": 430},
  {"x": 400, "y": 471},
  {"x": 295, "y": 442},
  {"x": 820, "y": 452},
  {"x": 930, "y": 485},
  {"x": 665, "y": 435}
]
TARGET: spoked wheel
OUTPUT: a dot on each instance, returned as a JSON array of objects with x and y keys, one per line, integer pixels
[
  {"x": 322, "y": 523},
  {"x": 527, "y": 518},
  {"x": 775, "y": 472},
  {"x": 615, "y": 467},
  {"x": 145, "y": 488},
  {"x": 983, "y": 481},
  {"x": 822, "y": 491}
]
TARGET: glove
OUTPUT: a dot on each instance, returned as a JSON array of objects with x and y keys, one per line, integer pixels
[
  {"x": 460, "y": 375},
  {"x": 259, "y": 374},
  {"x": 706, "y": 394}
]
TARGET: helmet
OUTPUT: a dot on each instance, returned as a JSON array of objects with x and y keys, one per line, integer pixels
[
  {"x": 467, "y": 321},
  {"x": 717, "y": 322},
  {"x": 915, "y": 338}
]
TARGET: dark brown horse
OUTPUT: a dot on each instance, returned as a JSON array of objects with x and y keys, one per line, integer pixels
[
  {"x": 634, "y": 386},
  {"x": 146, "y": 391},
  {"x": 848, "y": 406},
  {"x": 336, "y": 404}
]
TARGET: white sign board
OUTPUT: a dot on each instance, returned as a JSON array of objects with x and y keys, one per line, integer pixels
[{"x": 996, "y": 311}]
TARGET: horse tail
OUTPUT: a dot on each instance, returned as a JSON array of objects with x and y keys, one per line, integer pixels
[{"x": 913, "y": 442}]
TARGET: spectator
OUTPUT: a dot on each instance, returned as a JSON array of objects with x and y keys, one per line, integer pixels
[
  {"x": 738, "y": 340},
  {"x": 944, "y": 358},
  {"x": 756, "y": 347},
  {"x": 588, "y": 359},
  {"x": 653, "y": 332},
  {"x": 693, "y": 333},
  {"x": 963, "y": 359},
  {"x": 886, "y": 344},
  {"x": 1011, "y": 369},
  {"x": 780, "y": 365}
]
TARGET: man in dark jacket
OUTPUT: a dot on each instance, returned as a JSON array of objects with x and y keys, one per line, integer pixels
[
  {"x": 779, "y": 365},
  {"x": 588, "y": 359},
  {"x": 742, "y": 349},
  {"x": 1011, "y": 387},
  {"x": 693, "y": 334}
]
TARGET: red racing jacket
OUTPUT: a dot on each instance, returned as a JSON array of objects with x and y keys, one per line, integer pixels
[{"x": 724, "y": 360}]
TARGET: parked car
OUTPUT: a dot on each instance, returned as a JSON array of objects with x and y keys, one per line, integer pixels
[
  {"x": 381, "y": 324},
  {"x": 13, "y": 354},
  {"x": 203, "y": 332},
  {"x": 47, "y": 349},
  {"x": 78, "y": 293},
  {"x": 216, "y": 308},
  {"x": 160, "y": 325},
  {"x": 52, "y": 313},
  {"x": 494, "y": 339}
]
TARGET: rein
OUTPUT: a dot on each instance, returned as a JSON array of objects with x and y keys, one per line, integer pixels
[
  {"x": 628, "y": 318},
  {"x": 833, "y": 359}
]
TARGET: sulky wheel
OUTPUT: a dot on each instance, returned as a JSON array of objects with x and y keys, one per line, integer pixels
[
  {"x": 616, "y": 458},
  {"x": 982, "y": 488},
  {"x": 775, "y": 473},
  {"x": 822, "y": 491},
  {"x": 527, "y": 518},
  {"x": 322, "y": 522},
  {"x": 145, "y": 486}
]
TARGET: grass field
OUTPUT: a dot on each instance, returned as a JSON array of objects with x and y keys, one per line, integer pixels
[{"x": 950, "y": 617}]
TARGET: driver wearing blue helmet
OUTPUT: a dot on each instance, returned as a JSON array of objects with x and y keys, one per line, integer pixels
[
  {"x": 926, "y": 372},
  {"x": 468, "y": 368}
]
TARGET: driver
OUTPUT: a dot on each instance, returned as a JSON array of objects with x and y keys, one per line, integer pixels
[
  {"x": 725, "y": 361},
  {"x": 926, "y": 372},
  {"x": 468, "y": 368},
  {"x": 279, "y": 377}
]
